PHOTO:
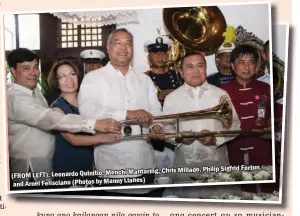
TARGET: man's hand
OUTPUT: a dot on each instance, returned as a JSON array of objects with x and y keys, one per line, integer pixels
[
  {"x": 156, "y": 133},
  {"x": 163, "y": 93},
  {"x": 108, "y": 126},
  {"x": 207, "y": 140},
  {"x": 188, "y": 141},
  {"x": 141, "y": 116}
]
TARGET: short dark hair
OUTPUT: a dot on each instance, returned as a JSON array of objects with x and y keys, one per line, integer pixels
[
  {"x": 52, "y": 76},
  {"x": 244, "y": 50},
  {"x": 21, "y": 55},
  {"x": 266, "y": 46},
  {"x": 188, "y": 54}
]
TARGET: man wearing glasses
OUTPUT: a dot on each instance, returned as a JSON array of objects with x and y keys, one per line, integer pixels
[{"x": 118, "y": 91}]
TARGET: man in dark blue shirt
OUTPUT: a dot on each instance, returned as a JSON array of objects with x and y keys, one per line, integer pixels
[{"x": 166, "y": 81}]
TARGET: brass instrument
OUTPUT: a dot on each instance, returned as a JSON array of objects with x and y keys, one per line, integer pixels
[
  {"x": 222, "y": 112},
  {"x": 198, "y": 29},
  {"x": 182, "y": 135},
  {"x": 175, "y": 53}
]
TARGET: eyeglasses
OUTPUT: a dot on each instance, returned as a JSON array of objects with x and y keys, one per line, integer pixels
[
  {"x": 63, "y": 77},
  {"x": 118, "y": 43}
]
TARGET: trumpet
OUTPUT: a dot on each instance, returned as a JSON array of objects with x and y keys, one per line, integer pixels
[
  {"x": 182, "y": 135},
  {"x": 221, "y": 112}
]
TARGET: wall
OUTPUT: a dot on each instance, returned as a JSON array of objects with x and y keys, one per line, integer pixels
[{"x": 253, "y": 17}]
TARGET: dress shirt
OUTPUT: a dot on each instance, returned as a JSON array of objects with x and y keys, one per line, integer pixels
[
  {"x": 186, "y": 99},
  {"x": 107, "y": 93},
  {"x": 30, "y": 120},
  {"x": 253, "y": 105}
]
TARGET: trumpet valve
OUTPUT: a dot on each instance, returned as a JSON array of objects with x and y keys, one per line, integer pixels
[{"x": 179, "y": 138}]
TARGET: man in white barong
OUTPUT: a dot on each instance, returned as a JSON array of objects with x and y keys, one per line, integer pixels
[
  {"x": 118, "y": 91},
  {"x": 30, "y": 121},
  {"x": 197, "y": 94}
]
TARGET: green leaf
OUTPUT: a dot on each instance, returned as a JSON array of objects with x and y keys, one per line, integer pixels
[{"x": 43, "y": 84}]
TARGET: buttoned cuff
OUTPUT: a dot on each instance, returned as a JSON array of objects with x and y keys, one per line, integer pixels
[{"x": 89, "y": 126}]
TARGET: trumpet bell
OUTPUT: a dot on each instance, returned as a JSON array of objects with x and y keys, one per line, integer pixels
[
  {"x": 221, "y": 112},
  {"x": 198, "y": 28}
]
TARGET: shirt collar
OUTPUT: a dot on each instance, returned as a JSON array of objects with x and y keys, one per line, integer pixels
[
  {"x": 265, "y": 78},
  {"x": 204, "y": 86},
  {"x": 198, "y": 91},
  {"x": 109, "y": 65},
  {"x": 24, "y": 89},
  {"x": 249, "y": 85}
]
